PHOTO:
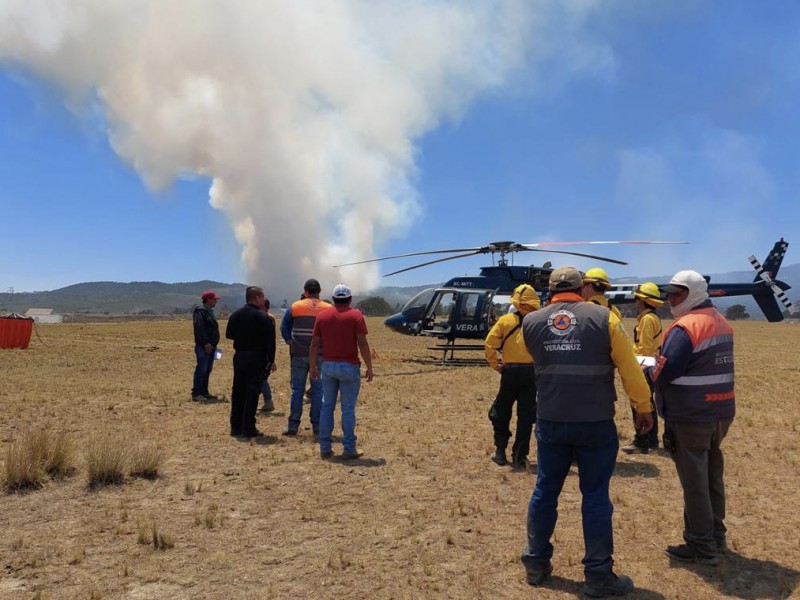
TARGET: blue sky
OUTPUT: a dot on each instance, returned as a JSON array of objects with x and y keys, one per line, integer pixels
[{"x": 615, "y": 121}]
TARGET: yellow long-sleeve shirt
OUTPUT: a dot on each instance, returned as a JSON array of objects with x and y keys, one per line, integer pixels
[
  {"x": 633, "y": 380},
  {"x": 647, "y": 334},
  {"x": 514, "y": 350}
]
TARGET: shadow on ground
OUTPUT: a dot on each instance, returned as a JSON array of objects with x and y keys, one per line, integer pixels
[
  {"x": 636, "y": 469},
  {"x": 738, "y": 576},
  {"x": 267, "y": 440},
  {"x": 621, "y": 470},
  {"x": 569, "y": 586},
  {"x": 358, "y": 462}
]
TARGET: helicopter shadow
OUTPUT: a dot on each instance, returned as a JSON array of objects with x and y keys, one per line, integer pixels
[{"x": 406, "y": 373}]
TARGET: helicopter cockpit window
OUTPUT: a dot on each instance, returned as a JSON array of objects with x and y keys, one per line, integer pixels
[
  {"x": 445, "y": 306},
  {"x": 469, "y": 306},
  {"x": 421, "y": 300}
]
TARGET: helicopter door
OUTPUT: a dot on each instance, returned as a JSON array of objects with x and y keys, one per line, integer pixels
[
  {"x": 472, "y": 320},
  {"x": 441, "y": 311}
]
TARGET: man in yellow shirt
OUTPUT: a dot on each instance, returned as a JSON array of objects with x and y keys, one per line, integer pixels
[
  {"x": 517, "y": 379},
  {"x": 595, "y": 284},
  {"x": 646, "y": 342}
]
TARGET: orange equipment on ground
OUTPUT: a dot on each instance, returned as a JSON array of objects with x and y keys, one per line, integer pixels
[{"x": 15, "y": 331}]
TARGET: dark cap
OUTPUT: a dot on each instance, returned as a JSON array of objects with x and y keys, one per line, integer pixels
[{"x": 312, "y": 286}]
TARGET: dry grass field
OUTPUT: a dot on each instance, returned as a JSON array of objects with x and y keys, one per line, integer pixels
[{"x": 424, "y": 514}]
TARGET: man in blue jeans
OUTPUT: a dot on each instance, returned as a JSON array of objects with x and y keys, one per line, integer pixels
[
  {"x": 342, "y": 333},
  {"x": 576, "y": 346},
  {"x": 297, "y": 326},
  {"x": 206, "y": 338}
]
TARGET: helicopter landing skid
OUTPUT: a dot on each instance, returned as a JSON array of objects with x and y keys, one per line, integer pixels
[{"x": 451, "y": 360}]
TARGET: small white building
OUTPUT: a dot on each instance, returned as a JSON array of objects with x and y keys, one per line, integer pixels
[{"x": 44, "y": 315}]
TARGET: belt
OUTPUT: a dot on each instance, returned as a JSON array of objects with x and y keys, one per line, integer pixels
[{"x": 512, "y": 365}]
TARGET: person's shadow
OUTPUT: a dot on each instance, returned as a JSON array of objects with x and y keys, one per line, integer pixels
[
  {"x": 215, "y": 400},
  {"x": 749, "y": 578},
  {"x": 358, "y": 462},
  {"x": 569, "y": 586},
  {"x": 636, "y": 469},
  {"x": 622, "y": 469},
  {"x": 267, "y": 440}
]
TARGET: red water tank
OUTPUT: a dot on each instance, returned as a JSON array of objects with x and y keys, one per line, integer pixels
[{"x": 15, "y": 331}]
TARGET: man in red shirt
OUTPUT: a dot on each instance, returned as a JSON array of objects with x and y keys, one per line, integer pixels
[{"x": 342, "y": 332}]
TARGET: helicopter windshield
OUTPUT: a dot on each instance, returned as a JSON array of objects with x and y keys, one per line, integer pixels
[{"x": 421, "y": 300}]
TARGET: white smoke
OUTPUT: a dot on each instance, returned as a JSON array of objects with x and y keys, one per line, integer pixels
[{"x": 303, "y": 113}]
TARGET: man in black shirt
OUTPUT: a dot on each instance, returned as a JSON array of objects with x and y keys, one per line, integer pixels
[
  {"x": 253, "y": 335},
  {"x": 206, "y": 338}
]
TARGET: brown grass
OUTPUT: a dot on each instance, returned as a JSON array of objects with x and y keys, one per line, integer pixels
[
  {"x": 37, "y": 456},
  {"x": 146, "y": 459},
  {"x": 106, "y": 456},
  {"x": 424, "y": 514}
]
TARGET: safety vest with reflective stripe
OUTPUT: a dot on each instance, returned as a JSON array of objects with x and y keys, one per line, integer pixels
[
  {"x": 570, "y": 345},
  {"x": 705, "y": 392},
  {"x": 304, "y": 315}
]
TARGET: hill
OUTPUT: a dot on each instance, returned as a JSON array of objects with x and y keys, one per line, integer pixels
[
  {"x": 136, "y": 297},
  {"x": 155, "y": 297}
]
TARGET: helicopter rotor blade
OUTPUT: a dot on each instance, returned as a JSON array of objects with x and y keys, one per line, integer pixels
[
  {"x": 595, "y": 243},
  {"x": 506, "y": 247},
  {"x": 601, "y": 258},
  {"x": 432, "y": 262},
  {"x": 361, "y": 262}
]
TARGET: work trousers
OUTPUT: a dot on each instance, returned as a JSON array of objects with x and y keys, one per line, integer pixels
[
  {"x": 594, "y": 446},
  {"x": 700, "y": 465},
  {"x": 248, "y": 373},
  {"x": 517, "y": 384}
]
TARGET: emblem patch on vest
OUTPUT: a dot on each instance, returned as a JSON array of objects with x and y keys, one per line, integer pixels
[{"x": 562, "y": 323}]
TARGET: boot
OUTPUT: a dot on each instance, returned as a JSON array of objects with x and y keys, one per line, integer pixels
[{"x": 499, "y": 457}]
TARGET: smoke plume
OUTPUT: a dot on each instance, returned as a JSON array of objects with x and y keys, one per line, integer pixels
[{"x": 303, "y": 114}]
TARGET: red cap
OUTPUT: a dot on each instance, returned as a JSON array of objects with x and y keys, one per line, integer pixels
[{"x": 209, "y": 294}]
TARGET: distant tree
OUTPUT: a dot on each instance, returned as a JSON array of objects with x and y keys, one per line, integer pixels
[
  {"x": 736, "y": 312},
  {"x": 374, "y": 306}
]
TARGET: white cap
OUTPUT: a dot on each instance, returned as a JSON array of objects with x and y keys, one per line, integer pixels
[
  {"x": 342, "y": 291},
  {"x": 686, "y": 280}
]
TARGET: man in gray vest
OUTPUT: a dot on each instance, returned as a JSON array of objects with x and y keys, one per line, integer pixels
[{"x": 575, "y": 346}]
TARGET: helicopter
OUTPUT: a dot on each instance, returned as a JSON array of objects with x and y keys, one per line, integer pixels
[{"x": 464, "y": 309}]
